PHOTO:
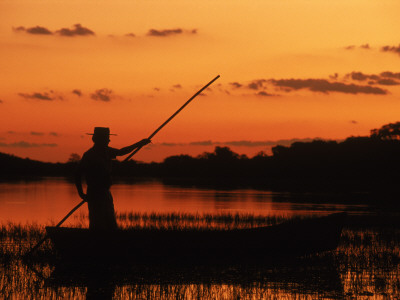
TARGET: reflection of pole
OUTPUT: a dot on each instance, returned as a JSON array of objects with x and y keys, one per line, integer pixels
[{"x": 170, "y": 118}]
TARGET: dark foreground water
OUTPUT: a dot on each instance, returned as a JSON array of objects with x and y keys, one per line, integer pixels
[{"x": 366, "y": 264}]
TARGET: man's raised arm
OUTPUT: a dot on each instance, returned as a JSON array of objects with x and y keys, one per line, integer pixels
[{"x": 132, "y": 147}]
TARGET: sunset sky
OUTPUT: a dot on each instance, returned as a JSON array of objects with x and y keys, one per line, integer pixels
[{"x": 290, "y": 70}]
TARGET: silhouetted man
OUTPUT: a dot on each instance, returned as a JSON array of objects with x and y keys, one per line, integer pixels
[{"x": 96, "y": 165}]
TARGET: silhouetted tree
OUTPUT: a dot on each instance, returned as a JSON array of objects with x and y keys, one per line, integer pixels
[
  {"x": 389, "y": 131},
  {"x": 74, "y": 157}
]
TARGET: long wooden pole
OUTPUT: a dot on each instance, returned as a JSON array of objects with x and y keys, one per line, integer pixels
[
  {"x": 171, "y": 117},
  {"x": 130, "y": 155}
]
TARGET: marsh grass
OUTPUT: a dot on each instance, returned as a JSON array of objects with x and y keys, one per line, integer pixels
[
  {"x": 367, "y": 261},
  {"x": 17, "y": 239},
  {"x": 176, "y": 221}
]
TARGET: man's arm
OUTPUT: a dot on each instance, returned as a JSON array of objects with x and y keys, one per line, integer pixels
[
  {"x": 78, "y": 181},
  {"x": 132, "y": 147}
]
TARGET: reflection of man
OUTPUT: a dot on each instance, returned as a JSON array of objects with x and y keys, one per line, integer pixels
[{"x": 96, "y": 165}]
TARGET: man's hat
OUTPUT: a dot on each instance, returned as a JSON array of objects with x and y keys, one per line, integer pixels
[{"x": 101, "y": 132}]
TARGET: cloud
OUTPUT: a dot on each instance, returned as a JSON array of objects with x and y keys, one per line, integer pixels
[
  {"x": 177, "y": 86},
  {"x": 361, "y": 76},
  {"x": 363, "y": 84},
  {"x": 102, "y": 95},
  {"x": 130, "y": 35},
  {"x": 384, "y": 78},
  {"x": 245, "y": 143},
  {"x": 242, "y": 143},
  {"x": 334, "y": 76},
  {"x": 325, "y": 86},
  {"x": 54, "y": 133},
  {"x": 264, "y": 94},
  {"x": 353, "y": 122},
  {"x": 165, "y": 32},
  {"x": 78, "y": 30},
  {"x": 236, "y": 84},
  {"x": 1, "y": 101},
  {"x": 39, "y": 30},
  {"x": 257, "y": 84},
  {"x": 77, "y": 92},
  {"x": 36, "y": 133},
  {"x": 365, "y": 46},
  {"x": 38, "y": 96},
  {"x": 387, "y": 81},
  {"x": 202, "y": 143},
  {"x": 169, "y": 32},
  {"x": 388, "y": 74},
  {"x": 352, "y": 47},
  {"x": 393, "y": 49},
  {"x": 23, "y": 144}
]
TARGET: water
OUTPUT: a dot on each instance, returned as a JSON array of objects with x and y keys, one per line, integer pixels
[
  {"x": 366, "y": 264},
  {"x": 49, "y": 200}
]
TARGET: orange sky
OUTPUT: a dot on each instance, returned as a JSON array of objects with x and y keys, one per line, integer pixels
[{"x": 287, "y": 72}]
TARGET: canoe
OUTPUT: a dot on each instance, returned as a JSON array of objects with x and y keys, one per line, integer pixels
[{"x": 291, "y": 238}]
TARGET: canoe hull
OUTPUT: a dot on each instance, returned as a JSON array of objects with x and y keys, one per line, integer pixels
[{"x": 293, "y": 238}]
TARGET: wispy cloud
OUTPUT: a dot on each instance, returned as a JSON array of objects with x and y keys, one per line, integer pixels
[
  {"x": 1, "y": 101},
  {"x": 333, "y": 84},
  {"x": 36, "y": 133},
  {"x": 102, "y": 95},
  {"x": 325, "y": 86},
  {"x": 359, "y": 76},
  {"x": 202, "y": 143},
  {"x": 365, "y": 46},
  {"x": 23, "y": 144},
  {"x": 387, "y": 81},
  {"x": 38, "y": 30},
  {"x": 169, "y": 32},
  {"x": 388, "y": 74},
  {"x": 241, "y": 143},
  {"x": 257, "y": 84},
  {"x": 394, "y": 49},
  {"x": 352, "y": 47},
  {"x": 384, "y": 78},
  {"x": 235, "y": 84},
  {"x": 38, "y": 96},
  {"x": 77, "y": 30},
  {"x": 77, "y": 92},
  {"x": 265, "y": 94}
]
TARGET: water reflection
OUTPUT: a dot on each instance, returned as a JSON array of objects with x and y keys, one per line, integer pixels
[
  {"x": 301, "y": 278},
  {"x": 48, "y": 200}
]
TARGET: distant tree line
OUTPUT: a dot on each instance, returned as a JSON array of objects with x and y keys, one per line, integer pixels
[{"x": 373, "y": 160}]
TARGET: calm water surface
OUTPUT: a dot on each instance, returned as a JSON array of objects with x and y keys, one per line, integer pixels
[{"x": 49, "y": 200}]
